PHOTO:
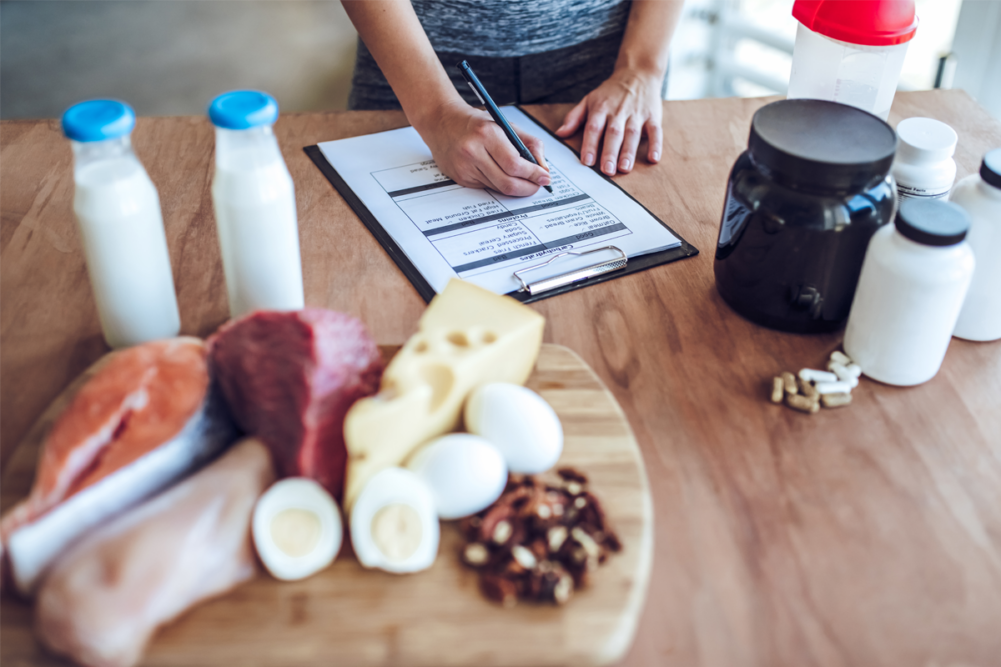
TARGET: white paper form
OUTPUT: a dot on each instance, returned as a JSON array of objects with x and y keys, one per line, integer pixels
[{"x": 482, "y": 236}]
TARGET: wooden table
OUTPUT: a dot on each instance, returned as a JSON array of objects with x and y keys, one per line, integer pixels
[{"x": 864, "y": 536}]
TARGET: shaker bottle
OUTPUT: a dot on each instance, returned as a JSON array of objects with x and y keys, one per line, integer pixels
[
  {"x": 851, "y": 52},
  {"x": 254, "y": 201},
  {"x": 980, "y": 196},
  {"x": 914, "y": 278},
  {"x": 118, "y": 212}
]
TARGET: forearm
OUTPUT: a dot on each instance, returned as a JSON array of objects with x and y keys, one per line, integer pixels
[
  {"x": 397, "y": 41},
  {"x": 646, "y": 44}
]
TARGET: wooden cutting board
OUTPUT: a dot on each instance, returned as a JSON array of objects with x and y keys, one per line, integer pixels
[{"x": 347, "y": 615}]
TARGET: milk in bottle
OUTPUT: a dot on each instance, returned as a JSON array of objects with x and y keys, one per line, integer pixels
[
  {"x": 118, "y": 213},
  {"x": 254, "y": 202}
]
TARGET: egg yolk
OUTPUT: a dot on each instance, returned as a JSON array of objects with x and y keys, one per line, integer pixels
[
  {"x": 295, "y": 531},
  {"x": 397, "y": 531}
]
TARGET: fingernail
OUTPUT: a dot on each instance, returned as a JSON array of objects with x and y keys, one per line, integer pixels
[
  {"x": 624, "y": 165},
  {"x": 589, "y": 159},
  {"x": 656, "y": 156},
  {"x": 609, "y": 167},
  {"x": 545, "y": 180}
]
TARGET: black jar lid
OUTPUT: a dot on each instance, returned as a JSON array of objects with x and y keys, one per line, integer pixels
[
  {"x": 932, "y": 221},
  {"x": 821, "y": 145},
  {"x": 990, "y": 168}
]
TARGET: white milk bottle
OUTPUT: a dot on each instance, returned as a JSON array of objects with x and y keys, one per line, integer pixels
[
  {"x": 254, "y": 202},
  {"x": 118, "y": 212}
]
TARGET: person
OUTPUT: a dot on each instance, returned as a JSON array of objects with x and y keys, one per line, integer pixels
[{"x": 608, "y": 56}]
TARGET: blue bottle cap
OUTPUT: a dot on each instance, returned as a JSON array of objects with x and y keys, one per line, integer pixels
[
  {"x": 97, "y": 120},
  {"x": 243, "y": 109}
]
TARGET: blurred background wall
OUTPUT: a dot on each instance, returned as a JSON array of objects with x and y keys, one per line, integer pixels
[{"x": 169, "y": 57}]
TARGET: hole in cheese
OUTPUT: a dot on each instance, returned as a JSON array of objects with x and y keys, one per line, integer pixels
[
  {"x": 489, "y": 337},
  {"x": 421, "y": 347},
  {"x": 458, "y": 339},
  {"x": 295, "y": 531},
  {"x": 441, "y": 379},
  {"x": 397, "y": 531}
]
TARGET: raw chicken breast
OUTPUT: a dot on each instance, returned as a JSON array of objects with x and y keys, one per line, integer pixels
[
  {"x": 104, "y": 599},
  {"x": 289, "y": 379},
  {"x": 144, "y": 419}
]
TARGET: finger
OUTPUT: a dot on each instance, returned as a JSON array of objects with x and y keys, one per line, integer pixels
[
  {"x": 535, "y": 146},
  {"x": 592, "y": 135},
  {"x": 573, "y": 119},
  {"x": 655, "y": 140},
  {"x": 506, "y": 157},
  {"x": 630, "y": 142},
  {"x": 613, "y": 141},
  {"x": 500, "y": 181}
]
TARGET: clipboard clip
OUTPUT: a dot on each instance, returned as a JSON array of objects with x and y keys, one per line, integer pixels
[{"x": 574, "y": 276}]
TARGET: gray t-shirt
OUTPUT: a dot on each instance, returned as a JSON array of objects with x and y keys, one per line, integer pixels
[{"x": 512, "y": 28}]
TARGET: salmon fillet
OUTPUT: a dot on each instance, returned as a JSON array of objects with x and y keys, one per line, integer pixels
[{"x": 142, "y": 399}]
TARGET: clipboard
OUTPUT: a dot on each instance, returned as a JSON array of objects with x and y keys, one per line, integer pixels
[{"x": 536, "y": 282}]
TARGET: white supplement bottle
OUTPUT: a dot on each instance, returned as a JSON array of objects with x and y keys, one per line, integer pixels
[
  {"x": 254, "y": 202},
  {"x": 914, "y": 278},
  {"x": 980, "y": 195},
  {"x": 923, "y": 166},
  {"x": 118, "y": 213}
]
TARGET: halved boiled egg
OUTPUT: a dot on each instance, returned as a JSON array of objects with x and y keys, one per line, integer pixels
[
  {"x": 297, "y": 528},
  {"x": 464, "y": 472},
  {"x": 394, "y": 523}
]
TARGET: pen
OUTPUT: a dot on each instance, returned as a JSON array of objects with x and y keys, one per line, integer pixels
[{"x": 481, "y": 92}]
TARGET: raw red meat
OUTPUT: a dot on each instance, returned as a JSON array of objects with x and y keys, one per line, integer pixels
[{"x": 290, "y": 377}]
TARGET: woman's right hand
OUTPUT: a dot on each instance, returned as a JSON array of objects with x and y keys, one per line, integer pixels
[{"x": 472, "y": 150}]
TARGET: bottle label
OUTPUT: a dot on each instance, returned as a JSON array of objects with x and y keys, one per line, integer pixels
[{"x": 921, "y": 193}]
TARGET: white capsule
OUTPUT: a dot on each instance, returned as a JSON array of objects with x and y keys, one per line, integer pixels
[
  {"x": 840, "y": 357},
  {"x": 833, "y": 388},
  {"x": 813, "y": 375},
  {"x": 843, "y": 374},
  {"x": 854, "y": 369}
]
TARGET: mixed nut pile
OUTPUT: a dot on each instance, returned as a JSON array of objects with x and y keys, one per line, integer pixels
[{"x": 539, "y": 541}]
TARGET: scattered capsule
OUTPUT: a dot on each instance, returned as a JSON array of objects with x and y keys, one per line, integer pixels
[
  {"x": 833, "y": 388},
  {"x": 840, "y": 357},
  {"x": 778, "y": 389},
  {"x": 854, "y": 369},
  {"x": 836, "y": 400},
  {"x": 789, "y": 382},
  {"x": 813, "y": 375},
  {"x": 808, "y": 390},
  {"x": 843, "y": 374},
  {"x": 802, "y": 403}
]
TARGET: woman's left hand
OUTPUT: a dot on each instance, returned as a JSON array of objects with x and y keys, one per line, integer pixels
[{"x": 623, "y": 108}]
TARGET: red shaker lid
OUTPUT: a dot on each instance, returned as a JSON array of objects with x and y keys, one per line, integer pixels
[{"x": 869, "y": 22}]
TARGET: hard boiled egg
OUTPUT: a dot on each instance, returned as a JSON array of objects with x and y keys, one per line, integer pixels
[
  {"x": 394, "y": 524},
  {"x": 297, "y": 528},
  {"x": 519, "y": 423},
  {"x": 464, "y": 472}
]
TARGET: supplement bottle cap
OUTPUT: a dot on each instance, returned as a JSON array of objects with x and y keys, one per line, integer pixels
[
  {"x": 243, "y": 109},
  {"x": 990, "y": 168},
  {"x": 932, "y": 221},
  {"x": 821, "y": 145},
  {"x": 98, "y": 120},
  {"x": 925, "y": 140}
]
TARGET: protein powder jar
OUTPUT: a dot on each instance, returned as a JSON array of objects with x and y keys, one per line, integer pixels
[
  {"x": 915, "y": 276},
  {"x": 924, "y": 167},
  {"x": 980, "y": 196},
  {"x": 802, "y": 203}
]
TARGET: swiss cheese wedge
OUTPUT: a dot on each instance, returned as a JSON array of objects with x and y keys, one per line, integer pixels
[{"x": 467, "y": 336}]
